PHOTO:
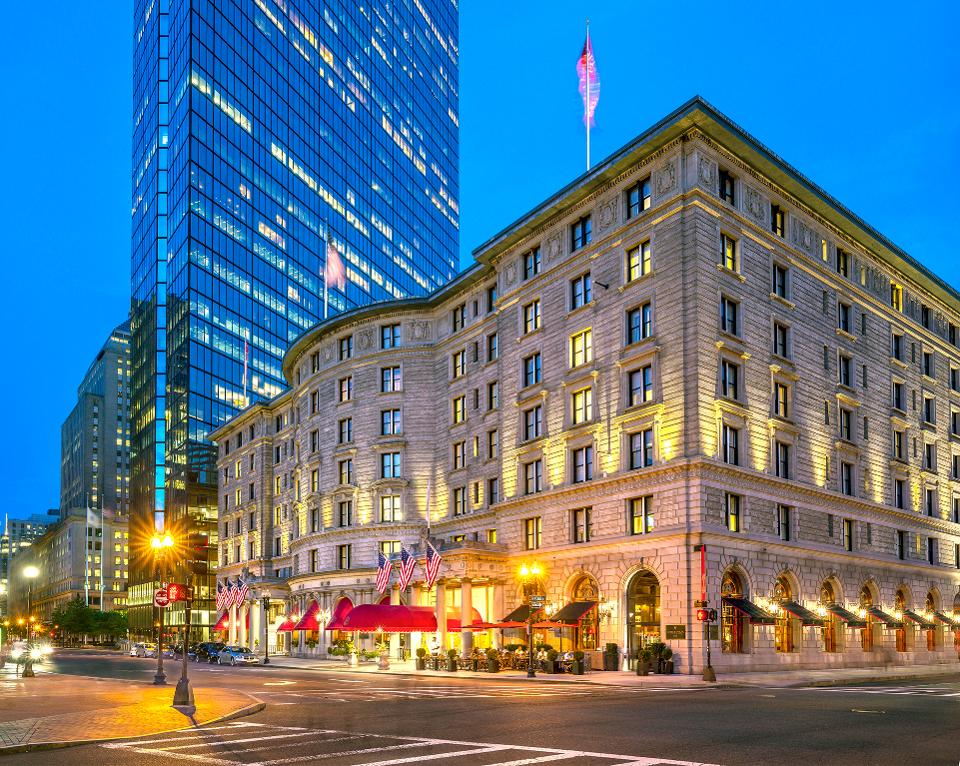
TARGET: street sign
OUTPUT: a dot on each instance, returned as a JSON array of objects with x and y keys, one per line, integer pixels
[
  {"x": 160, "y": 597},
  {"x": 538, "y": 601}
]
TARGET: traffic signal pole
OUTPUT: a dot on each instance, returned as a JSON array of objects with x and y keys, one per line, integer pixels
[{"x": 183, "y": 696}]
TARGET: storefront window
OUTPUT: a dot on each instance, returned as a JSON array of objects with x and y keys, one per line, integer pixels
[
  {"x": 586, "y": 589},
  {"x": 830, "y": 632},
  {"x": 783, "y": 629},
  {"x": 643, "y": 610},
  {"x": 866, "y": 633},
  {"x": 731, "y": 620},
  {"x": 899, "y": 604},
  {"x": 929, "y": 607}
]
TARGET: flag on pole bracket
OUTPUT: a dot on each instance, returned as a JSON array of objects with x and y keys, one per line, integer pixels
[
  {"x": 240, "y": 591},
  {"x": 407, "y": 564},
  {"x": 589, "y": 86},
  {"x": 384, "y": 567},
  {"x": 432, "y": 565}
]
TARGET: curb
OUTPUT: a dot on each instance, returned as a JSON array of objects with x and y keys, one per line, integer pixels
[{"x": 30, "y": 747}]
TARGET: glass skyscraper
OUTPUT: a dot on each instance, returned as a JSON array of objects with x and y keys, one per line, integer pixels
[{"x": 264, "y": 131}]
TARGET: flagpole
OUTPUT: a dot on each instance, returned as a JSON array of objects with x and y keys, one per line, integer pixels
[
  {"x": 326, "y": 255},
  {"x": 246, "y": 357},
  {"x": 86, "y": 555},
  {"x": 589, "y": 51},
  {"x": 103, "y": 550}
]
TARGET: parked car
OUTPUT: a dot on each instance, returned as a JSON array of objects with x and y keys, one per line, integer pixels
[
  {"x": 134, "y": 648},
  {"x": 191, "y": 652},
  {"x": 146, "y": 650},
  {"x": 237, "y": 655},
  {"x": 208, "y": 650}
]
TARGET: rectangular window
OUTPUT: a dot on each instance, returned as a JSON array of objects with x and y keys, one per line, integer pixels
[
  {"x": 458, "y": 363},
  {"x": 897, "y": 347},
  {"x": 345, "y": 387},
  {"x": 531, "y": 317},
  {"x": 778, "y": 220},
  {"x": 730, "y": 316},
  {"x": 843, "y": 317},
  {"x": 781, "y": 335},
  {"x": 955, "y": 379},
  {"x": 531, "y": 370},
  {"x": 729, "y": 253},
  {"x": 314, "y": 440},
  {"x": 389, "y": 547},
  {"x": 459, "y": 409},
  {"x": 731, "y": 445},
  {"x": 314, "y": 480},
  {"x": 345, "y": 471},
  {"x": 930, "y": 456},
  {"x": 315, "y": 361},
  {"x": 390, "y": 423},
  {"x": 581, "y": 406},
  {"x": 900, "y": 545},
  {"x": 641, "y": 385},
  {"x": 930, "y": 501},
  {"x": 782, "y": 460},
  {"x": 932, "y": 557},
  {"x": 846, "y": 424},
  {"x": 533, "y": 423},
  {"x": 492, "y": 298},
  {"x": 459, "y": 455},
  {"x": 639, "y": 323},
  {"x": 781, "y": 400},
  {"x": 390, "y": 379},
  {"x": 899, "y": 494},
  {"x": 581, "y": 348},
  {"x": 390, "y": 508},
  {"x": 582, "y": 464},
  {"x": 345, "y": 513},
  {"x": 390, "y": 465},
  {"x": 732, "y": 512},
  {"x": 345, "y": 430},
  {"x": 532, "y": 533},
  {"x": 896, "y": 297},
  {"x": 729, "y": 379},
  {"x": 929, "y": 365},
  {"x": 580, "y": 522},
  {"x": 641, "y": 449},
  {"x": 638, "y": 261},
  {"x": 493, "y": 347},
  {"x": 344, "y": 556},
  {"x": 390, "y": 336},
  {"x": 929, "y": 409},
  {"x": 846, "y": 478},
  {"x": 458, "y": 317},
  {"x": 846, "y": 534},
  {"x": 581, "y": 291},
  {"x": 783, "y": 522},
  {"x": 727, "y": 187},
  {"x": 898, "y": 445},
  {"x": 843, "y": 263},
  {"x": 459, "y": 501},
  {"x": 638, "y": 198},
  {"x": 493, "y": 395},
  {"x": 493, "y": 490},
  {"x": 844, "y": 370},
  {"x": 533, "y": 477},
  {"x": 531, "y": 263},
  {"x": 641, "y": 518},
  {"x": 346, "y": 348},
  {"x": 780, "y": 283},
  {"x": 493, "y": 443},
  {"x": 580, "y": 233}
]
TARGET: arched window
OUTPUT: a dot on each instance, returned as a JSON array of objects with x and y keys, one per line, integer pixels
[
  {"x": 899, "y": 604},
  {"x": 933, "y": 634},
  {"x": 828, "y": 596},
  {"x": 643, "y": 610},
  {"x": 783, "y": 629},
  {"x": 732, "y": 622},
  {"x": 586, "y": 589},
  {"x": 866, "y": 633}
]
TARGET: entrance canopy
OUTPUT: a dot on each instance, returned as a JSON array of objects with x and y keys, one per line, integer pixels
[
  {"x": 574, "y": 612},
  {"x": 846, "y": 615},
  {"x": 881, "y": 616},
  {"x": 287, "y": 625},
  {"x": 390, "y": 618},
  {"x": 946, "y": 620},
  {"x": 798, "y": 610},
  {"x": 224, "y": 622},
  {"x": 519, "y": 615},
  {"x": 922, "y": 621}
]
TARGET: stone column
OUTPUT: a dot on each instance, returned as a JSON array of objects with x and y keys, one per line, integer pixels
[
  {"x": 441, "y": 614},
  {"x": 232, "y": 629},
  {"x": 243, "y": 614},
  {"x": 466, "y": 616},
  {"x": 498, "y": 613},
  {"x": 394, "y": 638},
  {"x": 416, "y": 639},
  {"x": 256, "y": 625}
]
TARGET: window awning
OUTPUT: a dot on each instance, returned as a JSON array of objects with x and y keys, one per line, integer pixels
[
  {"x": 552, "y": 625},
  {"x": 476, "y": 621},
  {"x": 847, "y": 616},
  {"x": 755, "y": 613},
  {"x": 309, "y": 619},
  {"x": 520, "y": 614},
  {"x": 573, "y": 612},
  {"x": 390, "y": 618},
  {"x": 287, "y": 625},
  {"x": 878, "y": 614},
  {"x": 340, "y": 611},
  {"x": 798, "y": 610},
  {"x": 922, "y": 621},
  {"x": 946, "y": 620}
]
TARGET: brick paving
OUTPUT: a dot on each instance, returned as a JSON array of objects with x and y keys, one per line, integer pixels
[{"x": 112, "y": 709}]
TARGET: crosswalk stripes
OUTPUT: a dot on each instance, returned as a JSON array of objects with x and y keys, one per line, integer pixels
[
  {"x": 951, "y": 690},
  {"x": 236, "y": 743}
]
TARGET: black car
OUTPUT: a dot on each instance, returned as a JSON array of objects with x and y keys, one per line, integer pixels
[
  {"x": 191, "y": 652},
  {"x": 208, "y": 650}
]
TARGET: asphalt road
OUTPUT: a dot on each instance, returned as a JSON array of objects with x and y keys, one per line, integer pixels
[{"x": 366, "y": 720}]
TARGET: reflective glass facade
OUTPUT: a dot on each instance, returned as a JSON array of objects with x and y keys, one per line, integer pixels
[{"x": 264, "y": 130}]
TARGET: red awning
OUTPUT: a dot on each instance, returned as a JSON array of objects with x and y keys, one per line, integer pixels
[
  {"x": 390, "y": 618},
  {"x": 552, "y": 624},
  {"x": 453, "y": 623},
  {"x": 224, "y": 622},
  {"x": 287, "y": 624},
  {"x": 309, "y": 619},
  {"x": 385, "y": 599},
  {"x": 341, "y": 610}
]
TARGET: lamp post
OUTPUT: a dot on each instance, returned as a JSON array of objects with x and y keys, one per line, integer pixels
[
  {"x": 266, "y": 629},
  {"x": 29, "y": 572},
  {"x": 161, "y": 545},
  {"x": 529, "y": 574},
  {"x": 183, "y": 695}
]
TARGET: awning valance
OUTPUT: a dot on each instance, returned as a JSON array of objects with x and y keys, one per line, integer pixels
[
  {"x": 947, "y": 620},
  {"x": 922, "y": 621},
  {"x": 390, "y": 618},
  {"x": 309, "y": 619},
  {"x": 755, "y": 613},
  {"x": 520, "y": 614},
  {"x": 287, "y": 625},
  {"x": 798, "y": 610},
  {"x": 573, "y": 612},
  {"x": 846, "y": 615},
  {"x": 878, "y": 614},
  {"x": 341, "y": 610}
]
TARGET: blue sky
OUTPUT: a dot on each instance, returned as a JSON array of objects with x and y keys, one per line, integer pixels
[{"x": 859, "y": 97}]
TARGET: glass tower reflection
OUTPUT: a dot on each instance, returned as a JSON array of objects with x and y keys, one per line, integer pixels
[{"x": 264, "y": 130}]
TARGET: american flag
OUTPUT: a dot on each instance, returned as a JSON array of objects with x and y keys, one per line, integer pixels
[
  {"x": 407, "y": 564},
  {"x": 432, "y": 567},
  {"x": 334, "y": 274},
  {"x": 240, "y": 591},
  {"x": 384, "y": 567},
  {"x": 227, "y": 595},
  {"x": 589, "y": 80},
  {"x": 220, "y": 595}
]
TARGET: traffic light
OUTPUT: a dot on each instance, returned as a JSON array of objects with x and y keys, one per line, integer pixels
[
  {"x": 706, "y": 615},
  {"x": 177, "y": 592}
]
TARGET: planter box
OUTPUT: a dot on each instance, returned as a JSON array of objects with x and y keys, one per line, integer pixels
[
  {"x": 493, "y": 666},
  {"x": 611, "y": 661},
  {"x": 451, "y": 666},
  {"x": 576, "y": 667},
  {"x": 421, "y": 663}
]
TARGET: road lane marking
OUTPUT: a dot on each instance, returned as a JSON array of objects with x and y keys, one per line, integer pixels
[
  {"x": 322, "y": 756},
  {"x": 224, "y": 743}
]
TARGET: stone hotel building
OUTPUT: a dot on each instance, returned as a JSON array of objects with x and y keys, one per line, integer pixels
[{"x": 690, "y": 345}]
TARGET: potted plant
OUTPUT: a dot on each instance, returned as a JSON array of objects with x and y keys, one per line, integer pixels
[
  {"x": 550, "y": 664},
  {"x": 311, "y": 643},
  {"x": 611, "y": 657},
  {"x": 452, "y": 660},
  {"x": 421, "y": 658},
  {"x": 493, "y": 661},
  {"x": 656, "y": 652},
  {"x": 577, "y": 667},
  {"x": 643, "y": 662},
  {"x": 667, "y": 656},
  {"x": 383, "y": 656},
  {"x": 295, "y": 642}
]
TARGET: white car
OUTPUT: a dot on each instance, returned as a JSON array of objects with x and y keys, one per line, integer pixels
[
  {"x": 135, "y": 649},
  {"x": 146, "y": 650}
]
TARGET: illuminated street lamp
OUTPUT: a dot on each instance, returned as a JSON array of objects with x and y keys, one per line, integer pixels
[
  {"x": 529, "y": 575},
  {"x": 161, "y": 546},
  {"x": 30, "y": 572}
]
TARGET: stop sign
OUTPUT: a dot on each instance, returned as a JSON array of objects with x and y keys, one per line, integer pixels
[{"x": 161, "y": 597}]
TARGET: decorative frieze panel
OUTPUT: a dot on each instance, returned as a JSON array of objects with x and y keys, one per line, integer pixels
[
  {"x": 665, "y": 179},
  {"x": 754, "y": 204},
  {"x": 804, "y": 237}
]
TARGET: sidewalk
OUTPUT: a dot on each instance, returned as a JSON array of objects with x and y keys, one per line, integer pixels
[
  {"x": 51, "y": 710},
  {"x": 782, "y": 678}
]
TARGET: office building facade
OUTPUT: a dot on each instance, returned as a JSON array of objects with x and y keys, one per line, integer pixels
[
  {"x": 265, "y": 133},
  {"x": 690, "y": 376},
  {"x": 18, "y": 535}
]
